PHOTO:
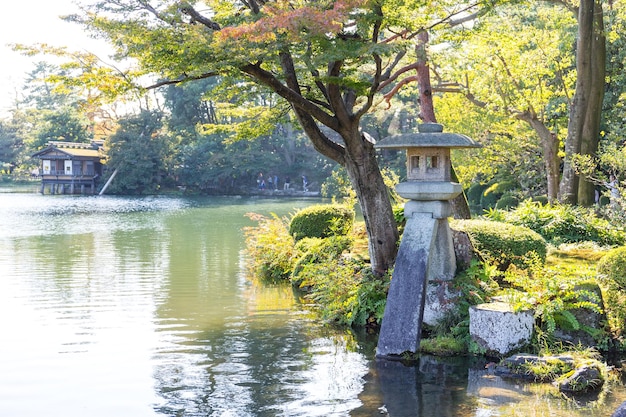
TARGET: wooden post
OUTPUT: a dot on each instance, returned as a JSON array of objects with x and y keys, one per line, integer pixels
[{"x": 108, "y": 182}]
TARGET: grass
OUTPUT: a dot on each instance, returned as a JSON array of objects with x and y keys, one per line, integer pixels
[{"x": 575, "y": 259}]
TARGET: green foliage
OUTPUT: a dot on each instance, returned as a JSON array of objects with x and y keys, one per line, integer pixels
[
  {"x": 343, "y": 287},
  {"x": 337, "y": 185},
  {"x": 474, "y": 194},
  {"x": 321, "y": 221},
  {"x": 503, "y": 244},
  {"x": 612, "y": 276},
  {"x": 559, "y": 223},
  {"x": 507, "y": 201},
  {"x": 398, "y": 215},
  {"x": 346, "y": 292},
  {"x": 501, "y": 100},
  {"x": 615, "y": 302},
  {"x": 612, "y": 267},
  {"x": 552, "y": 297},
  {"x": 271, "y": 248},
  {"x": 11, "y": 146},
  {"x": 66, "y": 124},
  {"x": 138, "y": 150},
  {"x": 443, "y": 346},
  {"x": 313, "y": 250},
  {"x": 489, "y": 200},
  {"x": 547, "y": 370}
]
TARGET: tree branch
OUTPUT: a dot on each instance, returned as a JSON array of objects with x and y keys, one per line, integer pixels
[
  {"x": 385, "y": 76},
  {"x": 378, "y": 74},
  {"x": 397, "y": 74},
  {"x": 320, "y": 141},
  {"x": 334, "y": 94},
  {"x": 295, "y": 99},
  {"x": 197, "y": 17},
  {"x": 397, "y": 88},
  {"x": 182, "y": 79}
]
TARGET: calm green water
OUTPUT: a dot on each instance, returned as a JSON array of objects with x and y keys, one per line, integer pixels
[{"x": 141, "y": 307}]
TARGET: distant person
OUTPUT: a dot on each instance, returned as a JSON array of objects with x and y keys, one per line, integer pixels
[
  {"x": 305, "y": 183},
  {"x": 614, "y": 191},
  {"x": 260, "y": 181},
  {"x": 287, "y": 183},
  {"x": 275, "y": 182}
]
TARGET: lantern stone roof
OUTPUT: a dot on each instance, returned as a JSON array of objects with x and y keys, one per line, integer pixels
[{"x": 430, "y": 135}]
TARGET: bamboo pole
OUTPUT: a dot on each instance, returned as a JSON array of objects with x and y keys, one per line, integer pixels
[{"x": 108, "y": 182}]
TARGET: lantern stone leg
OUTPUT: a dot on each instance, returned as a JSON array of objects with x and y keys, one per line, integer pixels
[{"x": 426, "y": 253}]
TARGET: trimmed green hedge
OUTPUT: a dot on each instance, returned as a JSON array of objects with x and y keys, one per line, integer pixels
[
  {"x": 321, "y": 221},
  {"x": 612, "y": 267},
  {"x": 503, "y": 244}
]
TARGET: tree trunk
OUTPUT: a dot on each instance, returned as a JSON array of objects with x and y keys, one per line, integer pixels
[
  {"x": 427, "y": 108},
  {"x": 362, "y": 168},
  {"x": 460, "y": 206},
  {"x": 585, "y": 108},
  {"x": 356, "y": 155},
  {"x": 591, "y": 127},
  {"x": 359, "y": 159},
  {"x": 550, "y": 148}
]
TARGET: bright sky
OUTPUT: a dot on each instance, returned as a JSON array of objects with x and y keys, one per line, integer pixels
[{"x": 30, "y": 22}]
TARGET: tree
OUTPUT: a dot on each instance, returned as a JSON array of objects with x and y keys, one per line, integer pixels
[
  {"x": 52, "y": 113},
  {"x": 138, "y": 151},
  {"x": 516, "y": 65},
  {"x": 63, "y": 124},
  {"x": 329, "y": 60},
  {"x": 11, "y": 145},
  {"x": 308, "y": 53},
  {"x": 583, "y": 132}
]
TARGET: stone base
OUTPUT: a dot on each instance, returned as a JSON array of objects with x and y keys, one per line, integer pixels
[
  {"x": 499, "y": 330},
  {"x": 441, "y": 298}
]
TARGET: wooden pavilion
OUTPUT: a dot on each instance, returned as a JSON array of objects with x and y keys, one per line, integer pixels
[{"x": 69, "y": 167}]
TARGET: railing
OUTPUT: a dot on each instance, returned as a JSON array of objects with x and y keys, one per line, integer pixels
[{"x": 59, "y": 172}]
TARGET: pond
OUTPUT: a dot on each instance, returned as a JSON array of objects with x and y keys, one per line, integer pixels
[{"x": 114, "y": 306}]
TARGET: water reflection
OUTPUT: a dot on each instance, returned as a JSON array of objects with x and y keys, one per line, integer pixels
[{"x": 141, "y": 307}]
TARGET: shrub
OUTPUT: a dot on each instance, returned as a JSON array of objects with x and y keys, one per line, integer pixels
[
  {"x": 507, "y": 201},
  {"x": 503, "y": 244},
  {"x": 563, "y": 223},
  {"x": 612, "y": 277},
  {"x": 346, "y": 291},
  {"x": 271, "y": 248},
  {"x": 317, "y": 251},
  {"x": 475, "y": 192},
  {"x": 321, "y": 221},
  {"x": 489, "y": 200},
  {"x": 612, "y": 267}
]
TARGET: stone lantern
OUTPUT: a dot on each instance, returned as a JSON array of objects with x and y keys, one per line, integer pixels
[{"x": 426, "y": 261}]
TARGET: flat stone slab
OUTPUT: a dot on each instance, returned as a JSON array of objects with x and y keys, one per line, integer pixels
[{"x": 498, "y": 329}]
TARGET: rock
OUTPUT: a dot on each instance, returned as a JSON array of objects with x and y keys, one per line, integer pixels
[
  {"x": 621, "y": 410},
  {"x": 583, "y": 379},
  {"x": 498, "y": 329},
  {"x": 463, "y": 249},
  {"x": 514, "y": 366}
]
